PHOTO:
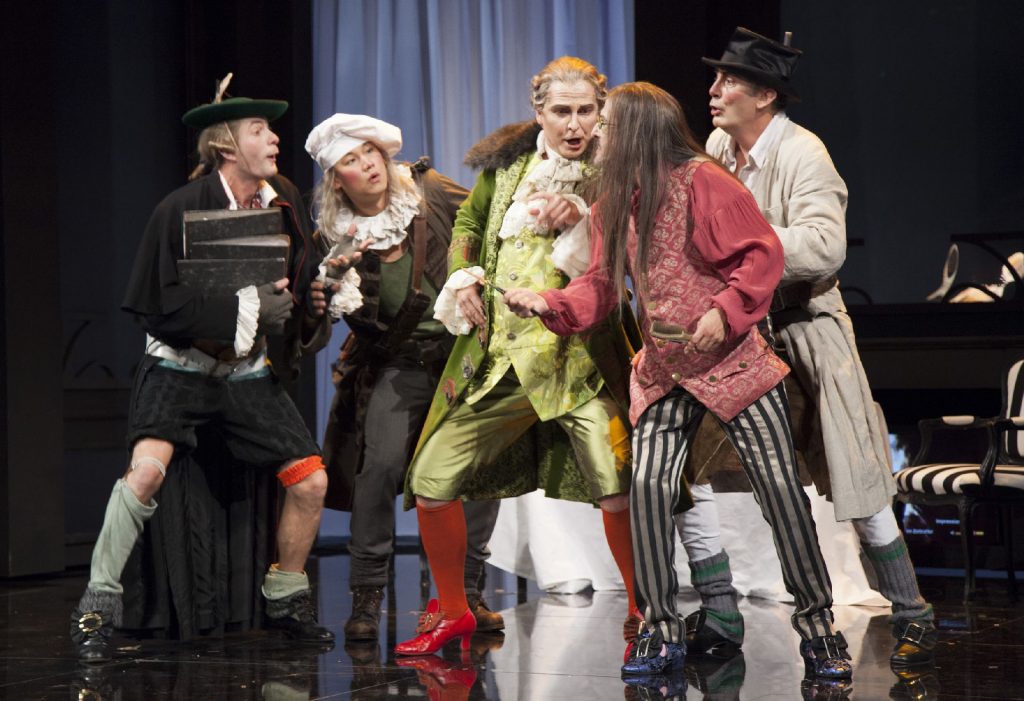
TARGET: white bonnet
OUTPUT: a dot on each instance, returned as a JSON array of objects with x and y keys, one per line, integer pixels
[{"x": 337, "y": 135}]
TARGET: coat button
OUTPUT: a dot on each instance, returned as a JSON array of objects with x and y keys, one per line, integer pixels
[
  {"x": 513, "y": 276},
  {"x": 676, "y": 377},
  {"x": 660, "y": 343},
  {"x": 743, "y": 365},
  {"x": 712, "y": 378},
  {"x": 511, "y": 336},
  {"x": 519, "y": 244},
  {"x": 652, "y": 305}
]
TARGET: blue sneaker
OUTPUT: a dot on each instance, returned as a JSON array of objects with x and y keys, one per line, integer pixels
[{"x": 652, "y": 655}]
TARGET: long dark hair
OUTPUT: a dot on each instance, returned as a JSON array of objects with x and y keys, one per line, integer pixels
[{"x": 646, "y": 137}]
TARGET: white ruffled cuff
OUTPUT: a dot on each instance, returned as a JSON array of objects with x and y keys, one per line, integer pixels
[
  {"x": 247, "y": 321},
  {"x": 571, "y": 250},
  {"x": 348, "y": 298},
  {"x": 445, "y": 308}
]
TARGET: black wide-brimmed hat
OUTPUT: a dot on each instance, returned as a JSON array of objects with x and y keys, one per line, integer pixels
[{"x": 759, "y": 59}]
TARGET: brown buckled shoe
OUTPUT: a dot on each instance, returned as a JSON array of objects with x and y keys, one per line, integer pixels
[
  {"x": 915, "y": 644},
  {"x": 487, "y": 621},
  {"x": 364, "y": 623}
]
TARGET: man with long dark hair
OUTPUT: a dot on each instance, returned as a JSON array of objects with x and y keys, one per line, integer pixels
[{"x": 705, "y": 264}]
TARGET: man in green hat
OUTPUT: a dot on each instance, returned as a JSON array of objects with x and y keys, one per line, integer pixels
[{"x": 205, "y": 366}]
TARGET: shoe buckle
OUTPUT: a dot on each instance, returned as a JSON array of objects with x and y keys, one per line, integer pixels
[
  {"x": 643, "y": 648},
  {"x": 831, "y": 647},
  {"x": 90, "y": 622},
  {"x": 913, "y": 633},
  {"x": 696, "y": 622}
]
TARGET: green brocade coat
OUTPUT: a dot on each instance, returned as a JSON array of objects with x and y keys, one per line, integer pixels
[{"x": 543, "y": 457}]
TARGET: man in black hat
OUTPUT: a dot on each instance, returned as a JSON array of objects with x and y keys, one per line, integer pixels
[
  {"x": 206, "y": 366},
  {"x": 844, "y": 441}
]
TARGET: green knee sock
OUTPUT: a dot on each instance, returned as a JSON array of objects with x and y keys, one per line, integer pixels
[
  {"x": 897, "y": 581},
  {"x": 712, "y": 579},
  {"x": 278, "y": 584},
  {"x": 122, "y": 525}
]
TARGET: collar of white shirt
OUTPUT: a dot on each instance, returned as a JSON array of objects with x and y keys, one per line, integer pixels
[
  {"x": 267, "y": 193},
  {"x": 765, "y": 144}
]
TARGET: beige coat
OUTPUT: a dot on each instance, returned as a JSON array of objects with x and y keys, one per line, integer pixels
[{"x": 804, "y": 199}]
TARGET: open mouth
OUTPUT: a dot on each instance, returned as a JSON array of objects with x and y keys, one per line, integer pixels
[{"x": 574, "y": 143}]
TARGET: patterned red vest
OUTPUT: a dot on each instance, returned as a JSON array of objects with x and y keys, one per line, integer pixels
[{"x": 680, "y": 285}]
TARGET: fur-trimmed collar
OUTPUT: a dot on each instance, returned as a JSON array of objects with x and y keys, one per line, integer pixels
[{"x": 502, "y": 147}]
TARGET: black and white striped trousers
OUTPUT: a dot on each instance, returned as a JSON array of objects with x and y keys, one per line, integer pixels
[{"x": 761, "y": 436}]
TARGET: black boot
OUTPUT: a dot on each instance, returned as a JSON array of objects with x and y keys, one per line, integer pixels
[
  {"x": 702, "y": 639},
  {"x": 364, "y": 623},
  {"x": 915, "y": 644},
  {"x": 92, "y": 623},
  {"x": 295, "y": 615}
]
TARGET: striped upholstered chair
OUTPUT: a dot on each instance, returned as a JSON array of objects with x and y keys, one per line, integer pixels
[{"x": 998, "y": 479}]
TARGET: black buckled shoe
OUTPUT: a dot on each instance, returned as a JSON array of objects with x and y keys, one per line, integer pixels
[
  {"x": 364, "y": 623},
  {"x": 915, "y": 644},
  {"x": 702, "y": 639},
  {"x": 825, "y": 657},
  {"x": 92, "y": 624},
  {"x": 295, "y": 616}
]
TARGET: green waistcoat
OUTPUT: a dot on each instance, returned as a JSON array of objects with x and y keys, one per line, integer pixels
[{"x": 543, "y": 457}]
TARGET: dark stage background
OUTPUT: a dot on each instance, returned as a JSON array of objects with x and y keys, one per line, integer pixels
[{"x": 919, "y": 104}]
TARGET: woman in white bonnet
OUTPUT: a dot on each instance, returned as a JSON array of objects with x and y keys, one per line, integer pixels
[{"x": 400, "y": 215}]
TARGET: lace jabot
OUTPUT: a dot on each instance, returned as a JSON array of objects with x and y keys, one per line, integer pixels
[{"x": 388, "y": 228}]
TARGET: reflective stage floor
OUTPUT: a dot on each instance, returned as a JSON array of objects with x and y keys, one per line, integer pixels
[{"x": 554, "y": 647}]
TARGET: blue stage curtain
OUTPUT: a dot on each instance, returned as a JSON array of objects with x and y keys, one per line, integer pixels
[{"x": 448, "y": 72}]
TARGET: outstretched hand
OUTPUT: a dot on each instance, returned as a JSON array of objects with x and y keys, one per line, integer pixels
[{"x": 525, "y": 303}]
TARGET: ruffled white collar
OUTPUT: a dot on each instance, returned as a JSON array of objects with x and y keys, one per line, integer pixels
[
  {"x": 554, "y": 173},
  {"x": 387, "y": 228}
]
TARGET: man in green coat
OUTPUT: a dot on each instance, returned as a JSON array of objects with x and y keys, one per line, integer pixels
[{"x": 519, "y": 408}]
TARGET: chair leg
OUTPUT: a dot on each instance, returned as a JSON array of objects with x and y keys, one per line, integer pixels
[
  {"x": 967, "y": 541},
  {"x": 1011, "y": 574}
]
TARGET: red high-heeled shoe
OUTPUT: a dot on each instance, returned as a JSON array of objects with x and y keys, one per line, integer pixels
[{"x": 435, "y": 630}]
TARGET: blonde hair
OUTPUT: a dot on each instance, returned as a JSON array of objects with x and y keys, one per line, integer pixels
[
  {"x": 567, "y": 69},
  {"x": 214, "y": 141},
  {"x": 328, "y": 201}
]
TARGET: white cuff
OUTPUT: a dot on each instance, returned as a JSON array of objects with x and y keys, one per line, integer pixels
[
  {"x": 348, "y": 298},
  {"x": 445, "y": 308},
  {"x": 247, "y": 321},
  {"x": 571, "y": 250}
]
